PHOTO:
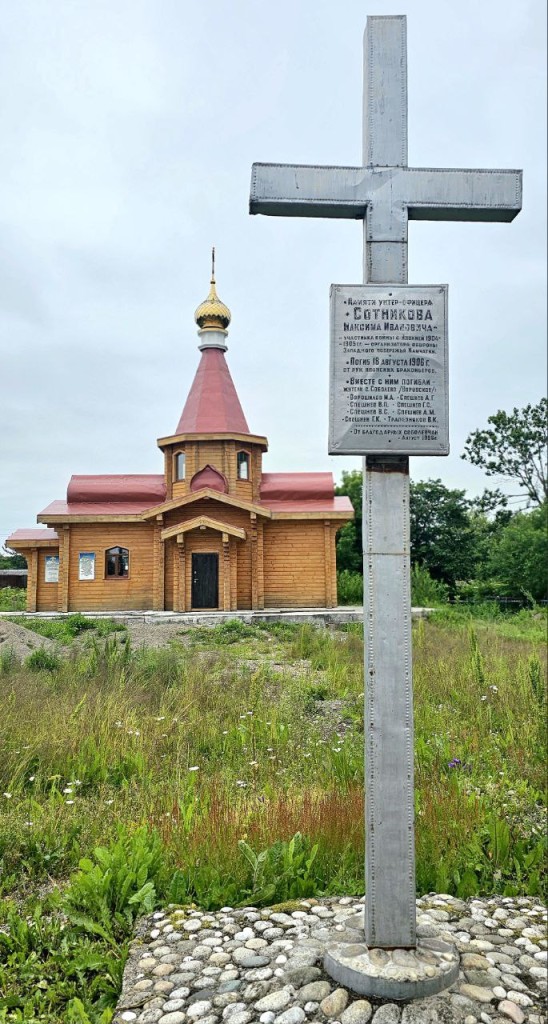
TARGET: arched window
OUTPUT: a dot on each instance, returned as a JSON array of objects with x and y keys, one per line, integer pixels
[
  {"x": 116, "y": 563},
  {"x": 243, "y": 465},
  {"x": 180, "y": 466}
]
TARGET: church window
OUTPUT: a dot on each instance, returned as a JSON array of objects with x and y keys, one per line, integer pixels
[
  {"x": 243, "y": 465},
  {"x": 180, "y": 466},
  {"x": 117, "y": 563}
]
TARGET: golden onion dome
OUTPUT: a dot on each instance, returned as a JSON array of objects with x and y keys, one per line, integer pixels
[{"x": 212, "y": 314}]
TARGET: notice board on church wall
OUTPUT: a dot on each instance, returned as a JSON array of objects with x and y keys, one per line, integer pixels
[
  {"x": 51, "y": 569},
  {"x": 388, "y": 370},
  {"x": 86, "y": 565}
]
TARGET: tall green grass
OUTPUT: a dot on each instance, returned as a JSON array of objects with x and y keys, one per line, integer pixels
[{"x": 223, "y": 749}]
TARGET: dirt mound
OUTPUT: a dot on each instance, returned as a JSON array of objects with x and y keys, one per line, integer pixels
[{"x": 22, "y": 641}]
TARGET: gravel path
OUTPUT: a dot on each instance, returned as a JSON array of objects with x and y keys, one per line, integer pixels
[{"x": 253, "y": 966}]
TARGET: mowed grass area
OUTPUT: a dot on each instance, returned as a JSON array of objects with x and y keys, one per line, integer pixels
[{"x": 228, "y": 769}]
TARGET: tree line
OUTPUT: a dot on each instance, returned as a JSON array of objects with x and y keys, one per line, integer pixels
[{"x": 476, "y": 548}]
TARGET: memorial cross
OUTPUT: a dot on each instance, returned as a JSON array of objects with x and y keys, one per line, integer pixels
[{"x": 385, "y": 193}]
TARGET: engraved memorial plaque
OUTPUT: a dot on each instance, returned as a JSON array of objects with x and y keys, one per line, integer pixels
[{"x": 388, "y": 370}]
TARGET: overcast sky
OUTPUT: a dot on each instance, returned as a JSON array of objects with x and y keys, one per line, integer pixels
[{"x": 127, "y": 133}]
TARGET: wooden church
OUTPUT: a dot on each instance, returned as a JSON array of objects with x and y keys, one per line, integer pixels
[{"x": 213, "y": 531}]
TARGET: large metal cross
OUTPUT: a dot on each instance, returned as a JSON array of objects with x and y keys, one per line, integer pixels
[{"x": 385, "y": 193}]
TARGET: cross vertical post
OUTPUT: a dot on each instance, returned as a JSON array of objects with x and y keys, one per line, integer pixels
[
  {"x": 390, "y": 915},
  {"x": 385, "y": 193}
]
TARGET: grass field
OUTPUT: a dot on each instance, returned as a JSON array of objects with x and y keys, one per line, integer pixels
[{"x": 229, "y": 769}]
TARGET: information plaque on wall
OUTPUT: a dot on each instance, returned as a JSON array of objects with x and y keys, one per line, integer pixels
[
  {"x": 51, "y": 569},
  {"x": 388, "y": 370},
  {"x": 86, "y": 565}
]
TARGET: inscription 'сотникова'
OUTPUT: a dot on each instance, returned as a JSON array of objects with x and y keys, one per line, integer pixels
[{"x": 389, "y": 392}]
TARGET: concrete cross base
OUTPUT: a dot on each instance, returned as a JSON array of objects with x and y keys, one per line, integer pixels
[{"x": 399, "y": 974}]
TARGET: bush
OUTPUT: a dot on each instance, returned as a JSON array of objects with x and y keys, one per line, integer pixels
[
  {"x": 13, "y": 599},
  {"x": 349, "y": 587},
  {"x": 42, "y": 660},
  {"x": 426, "y": 591}
]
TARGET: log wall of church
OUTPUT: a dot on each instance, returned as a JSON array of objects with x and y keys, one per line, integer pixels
[
  {"x": 102, "y": 593},
  {"x": 295, "y": 564},
  {"x": 46, "y": 593}
]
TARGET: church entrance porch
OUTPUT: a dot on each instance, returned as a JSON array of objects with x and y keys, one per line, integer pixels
[{"x": 205, "y": 580}]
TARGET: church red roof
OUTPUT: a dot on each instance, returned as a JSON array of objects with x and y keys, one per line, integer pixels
[
  {"x": 31, "y": 535},
  {"x": 291, "y": 486},
  {"x": 212, "y": 405},
  {"x": 145, "y": 489}
]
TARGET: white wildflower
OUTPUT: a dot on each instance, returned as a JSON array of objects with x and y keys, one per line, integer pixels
[{"x": 195, "y": 768}]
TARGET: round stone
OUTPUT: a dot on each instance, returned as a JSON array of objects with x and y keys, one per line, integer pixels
[
  {"x": 358, "y": 1012},
  {"x": 512, "y": 1011},
  {"x": 275, "y": 1001},
  {"x": 233, "y": 1007},
  {"x": 172, "y": 1018},
  {"x": 198, "y": 1009},
  {"x": 173, "y": 1004},
  {"x": 147, "y": 963},
  {"x": 247, "y": 958},
  {"x": 334, "y": 1004},
  {"x": 519, "y": 997},
  {"x": 477, "y": 992},
  {"x": 292, "y": 1016},
  {"x": 315, "y": 991}
]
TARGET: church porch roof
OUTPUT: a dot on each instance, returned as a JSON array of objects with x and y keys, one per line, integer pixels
[{"x": 33, "y": 538}]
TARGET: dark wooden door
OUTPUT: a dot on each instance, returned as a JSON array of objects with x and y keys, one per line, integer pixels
[{"x": 205, "y": 580}]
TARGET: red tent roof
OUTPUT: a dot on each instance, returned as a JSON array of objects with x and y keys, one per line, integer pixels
[{"x": 212, "y": 405}]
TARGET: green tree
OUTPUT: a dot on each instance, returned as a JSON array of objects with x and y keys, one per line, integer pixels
[
  {"x": 444, "y": 537},
  {"x": 349, "y": 539},
  {"x": 518, "y": 557},
  {"x": 11, "y": 560},
  {"x": 514, "y": 448}
]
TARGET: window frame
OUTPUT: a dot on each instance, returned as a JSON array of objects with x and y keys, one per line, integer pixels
[
  {"x": 120, "y": 549},
  {"x": 247, "y": 454},
  {"x": 179, "y": 479}
]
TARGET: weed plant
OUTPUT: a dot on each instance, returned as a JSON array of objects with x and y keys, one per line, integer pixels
[
  {"x": 228, "y": 769},
  {"x": 13, "y": 599}
]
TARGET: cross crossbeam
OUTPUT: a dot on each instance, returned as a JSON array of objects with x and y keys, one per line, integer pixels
[{"x": 426, "y": 193}]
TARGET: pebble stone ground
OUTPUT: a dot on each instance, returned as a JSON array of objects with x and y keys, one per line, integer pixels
[{"x": 188, "y": 966}]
